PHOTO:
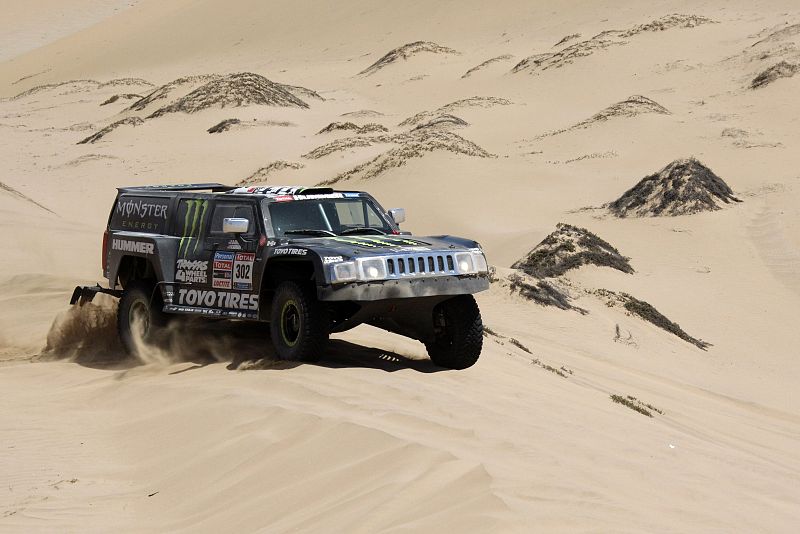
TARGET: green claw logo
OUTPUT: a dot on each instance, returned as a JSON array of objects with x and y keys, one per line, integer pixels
[{"x": 192, "y": 225}]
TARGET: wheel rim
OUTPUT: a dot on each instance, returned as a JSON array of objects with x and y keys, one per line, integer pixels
[
  {"x": 139, "y": 318},
  {"x": 290, "y": 323}
]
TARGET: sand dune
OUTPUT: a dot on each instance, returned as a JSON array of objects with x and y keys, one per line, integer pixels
[{"x": 639, "y": 371}]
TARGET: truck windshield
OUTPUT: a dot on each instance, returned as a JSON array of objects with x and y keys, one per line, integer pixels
[{"x": 329, "y": 216}]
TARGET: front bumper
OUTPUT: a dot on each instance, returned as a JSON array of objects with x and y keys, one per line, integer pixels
[{"x": 405, "y": 288}]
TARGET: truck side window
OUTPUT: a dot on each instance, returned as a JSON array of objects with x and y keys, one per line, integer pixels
[{"x": 225, "y": 210}]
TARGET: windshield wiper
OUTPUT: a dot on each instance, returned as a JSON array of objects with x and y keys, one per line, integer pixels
[
  {"x": 362, "y": 230},
  {"x": 309, "y": 231}
]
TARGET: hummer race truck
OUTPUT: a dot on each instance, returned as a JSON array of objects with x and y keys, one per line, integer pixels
[{"x": 309, "y": 261}]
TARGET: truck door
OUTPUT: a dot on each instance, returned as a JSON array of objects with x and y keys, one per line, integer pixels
[{"x": 230, "y": 283}]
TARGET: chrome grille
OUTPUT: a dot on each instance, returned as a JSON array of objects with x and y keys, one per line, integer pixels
[{"x": 420, "y": 264}]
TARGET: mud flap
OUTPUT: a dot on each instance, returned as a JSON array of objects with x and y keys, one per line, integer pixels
[{"x": 83, "y": 294}]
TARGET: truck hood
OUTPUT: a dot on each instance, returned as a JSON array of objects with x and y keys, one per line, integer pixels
[{"x": 380, "y": 245}]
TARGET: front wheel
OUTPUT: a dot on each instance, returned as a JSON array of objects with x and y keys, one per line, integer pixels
[
  {"x": 459, "y": 333},
  {"x": 139, "y": 315},
  {"x": 298, "y": 324}
]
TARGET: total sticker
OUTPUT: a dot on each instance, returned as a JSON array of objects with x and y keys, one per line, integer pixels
[{"x": 243, "y": 270}]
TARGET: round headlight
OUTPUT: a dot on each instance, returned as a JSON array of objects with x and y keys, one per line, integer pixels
[{"x": 372, "y": 272}]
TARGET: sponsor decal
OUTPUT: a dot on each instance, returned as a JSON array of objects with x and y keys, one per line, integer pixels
[
  {"x": 192, "y": 225},
  {"x": 217, "y": 299},
  {"x": 212, "y": 311},
  {"x": 243, "y": 270},
  {"x": 127, "y": 245},
  {"x": 140, "y": 208},
  {"x": 332, "y": 259},
  {"x": 271, "y": 243},
  {"x": 290, "y": 252},
  {"x": 234, "y": 245},
  {"x": 382, "y": 241},
  {"x": 191, "y": 271},
  {"x": 141, "y": 214},
  {"x": 413, "y": 249},
  {"x": 222, "y": 273}
]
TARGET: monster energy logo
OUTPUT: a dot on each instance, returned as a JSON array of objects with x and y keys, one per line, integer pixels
[{"x": 192, "y": 225}]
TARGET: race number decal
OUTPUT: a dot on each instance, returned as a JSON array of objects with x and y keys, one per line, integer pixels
[{"x": 243, "y": 271}]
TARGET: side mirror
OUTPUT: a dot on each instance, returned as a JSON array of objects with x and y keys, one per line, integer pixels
[
  {"x": 398, "y": 215},
  {"x": 235, "y": 225}
]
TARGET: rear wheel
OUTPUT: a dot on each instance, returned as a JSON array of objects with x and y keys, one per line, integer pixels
[
  {"x": 459, "y": 333},
  {"x": 298, "y": 324},
  {"x": 139, "y": 315}
]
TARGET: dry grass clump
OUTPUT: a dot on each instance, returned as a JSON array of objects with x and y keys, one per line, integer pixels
[
  {"x": 411, "y": 145},
  {"x": 636, "y": 405},
  {"x": 235, "y": 90},
  {"x": 540, "y": 292},
  {"x": 362, "y": 113},
  {"x": 76, "y": 86},
  {"x": 683, "y": 187},
  {"x": 128, "y": 121},
  {"x": 444, "y": 122},
  {"x": 369, "y": 128},
  {"x": 779, "y": 35},
  {"x": 473, "y": 70},
  {"x": 163, "y": 92},
  {"x": 603, "y": 40},
  {"x": 13, "y": 192},
  {"x": 302, "y": 92},
  {"x": 223, "y": 126},
  {"x": 647, "y": 312},
  {"x": 260, "y": 176},
  {"x": 630, "y": 107},
  {"x": 404, "y": 52},
  {"x": 570, "y": 247},
  {"x": 473, "y": 101},
  {"x": 784, "y": 69},
  {"x": 567, "y": 38},
  {"x": 114, "y": 98}
]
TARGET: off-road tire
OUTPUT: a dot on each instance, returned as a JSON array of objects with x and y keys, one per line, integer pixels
[
  {"x": 459, "y": 333},
  {"x": 298, "y": 323},
  {"x": 139, "y": 297}
]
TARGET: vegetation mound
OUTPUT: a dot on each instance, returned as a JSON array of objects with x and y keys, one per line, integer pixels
[
  {"x": 784, "y": 69},
  {"x": 260, "y": 176},
  {"x": 683, "y": 187},
  {"x": 410, "y": 145},
  {"x": 471, "y": 102},
  {"x": 235, "y": 90},
  {"x": 476, "y": 68},
  {"x": 223, "y": 126},
  {"x": 128, "y": 121},
  {"x": 570, "y": 247},
  {"x": 646, "y": 311},
  {"x": 404, "y": 52},
  {"x": 567, "y": 55},
  {"x": 371, "y": 127}
]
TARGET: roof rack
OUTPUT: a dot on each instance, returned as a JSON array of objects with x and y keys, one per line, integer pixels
[{"x": 213, "y": 187}]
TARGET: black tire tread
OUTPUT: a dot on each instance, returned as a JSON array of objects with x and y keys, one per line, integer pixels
[
  {"x": 139, "y": 289},
  {"x": 314, "y": 334},
  {"x": 461, "y": 347}
]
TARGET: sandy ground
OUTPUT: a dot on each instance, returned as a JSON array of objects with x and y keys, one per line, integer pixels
[{"x": 214, "y": 434}]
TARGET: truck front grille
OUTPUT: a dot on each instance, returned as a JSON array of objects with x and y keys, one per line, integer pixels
[{"x": 418, "y": 265}]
